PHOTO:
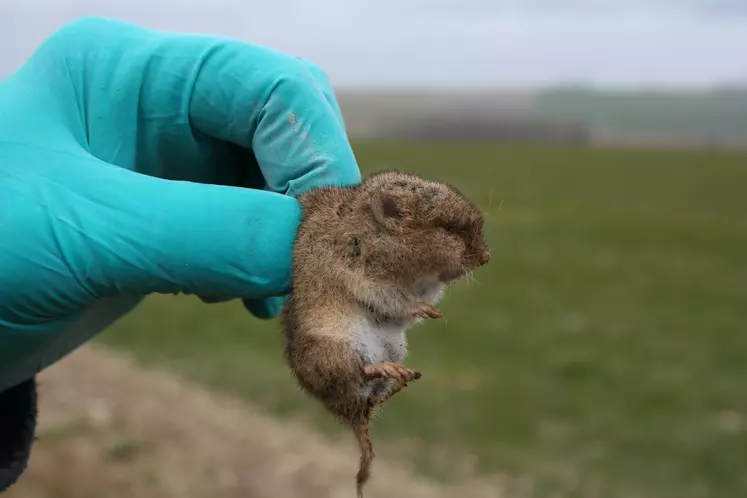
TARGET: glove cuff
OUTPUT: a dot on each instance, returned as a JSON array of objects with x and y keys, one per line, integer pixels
[{"x": 18, "y": 411}]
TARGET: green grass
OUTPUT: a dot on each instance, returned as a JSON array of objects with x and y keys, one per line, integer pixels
[{"x": 603, "y": 350}]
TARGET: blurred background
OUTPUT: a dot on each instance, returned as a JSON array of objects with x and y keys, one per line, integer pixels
[{"x": 600, "y": 354}]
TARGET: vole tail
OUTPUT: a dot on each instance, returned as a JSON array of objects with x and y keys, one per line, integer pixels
[{"x": 367, "y": 455}]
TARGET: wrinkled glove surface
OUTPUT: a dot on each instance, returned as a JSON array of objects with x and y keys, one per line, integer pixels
[{"x": 134, "y": 161}]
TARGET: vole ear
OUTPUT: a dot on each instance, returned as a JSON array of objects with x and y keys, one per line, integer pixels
[{"x": 384, "y": 208}]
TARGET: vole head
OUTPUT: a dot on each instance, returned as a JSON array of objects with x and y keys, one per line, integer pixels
[{"x": 402, "y": 228}]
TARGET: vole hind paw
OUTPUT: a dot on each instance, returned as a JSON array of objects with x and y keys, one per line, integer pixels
[
  {"x": 396, "y": 387},
  {"x": 389, "y": 370}
]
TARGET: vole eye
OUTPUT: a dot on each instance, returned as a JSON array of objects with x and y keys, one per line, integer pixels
[
  {"x": 354, "y": 248},
  {"x": 449, "y": 226}
]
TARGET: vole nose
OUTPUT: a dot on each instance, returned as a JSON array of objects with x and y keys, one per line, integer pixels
[{"x": 483, "y": 258}]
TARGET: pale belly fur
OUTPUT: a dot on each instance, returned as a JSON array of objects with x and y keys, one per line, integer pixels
[{"x": 378, "y": 342}]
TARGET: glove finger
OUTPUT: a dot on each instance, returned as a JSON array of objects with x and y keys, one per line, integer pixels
[
  {"x": 265, "y": 309},
  {"x": 279, "y": 108},
  {"x": 270, "y": 308},
  {"x": 215, "y": 299},
  {"x": 116, "y": 232},
  {"x": 325, "y": 85}
]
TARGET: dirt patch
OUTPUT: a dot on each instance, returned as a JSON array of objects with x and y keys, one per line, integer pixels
[{"x": 109, "y": 428}]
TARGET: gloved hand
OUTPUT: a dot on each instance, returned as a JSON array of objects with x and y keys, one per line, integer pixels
[{"x": 134, "y": 162}]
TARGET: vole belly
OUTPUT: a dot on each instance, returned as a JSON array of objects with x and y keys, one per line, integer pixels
[{"x": 377, "y": 342}]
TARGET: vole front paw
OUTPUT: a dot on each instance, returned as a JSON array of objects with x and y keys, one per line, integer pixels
[{"x": 424, "y": 310}]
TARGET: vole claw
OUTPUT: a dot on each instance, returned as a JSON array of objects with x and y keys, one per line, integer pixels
[
  {"x": 382, "y": 370},
  {"x": 424, "y": 310},
  {"x": 389, "y": 370}
]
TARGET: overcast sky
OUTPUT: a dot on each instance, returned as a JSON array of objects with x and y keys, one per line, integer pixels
[{"x": 444, "y": 42}]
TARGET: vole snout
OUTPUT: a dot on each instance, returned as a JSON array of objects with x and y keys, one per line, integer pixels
[
  {"x": 476, "y": 255},
  {"x": 483, "y": 258}
]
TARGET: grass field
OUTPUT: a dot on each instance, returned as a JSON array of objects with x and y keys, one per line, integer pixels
[{"x": 601, "y": 353}]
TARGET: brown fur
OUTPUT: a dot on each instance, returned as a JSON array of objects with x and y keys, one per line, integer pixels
[{"x": 365, "y": 256}]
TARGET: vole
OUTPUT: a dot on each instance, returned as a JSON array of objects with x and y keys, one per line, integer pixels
[{"x": 369, "y": 261}]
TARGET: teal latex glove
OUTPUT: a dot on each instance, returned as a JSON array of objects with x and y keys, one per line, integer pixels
[{"x": 134, "y": 162}]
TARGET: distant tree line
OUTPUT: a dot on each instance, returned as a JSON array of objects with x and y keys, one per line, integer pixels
[{"x": 472, "y": 126}]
